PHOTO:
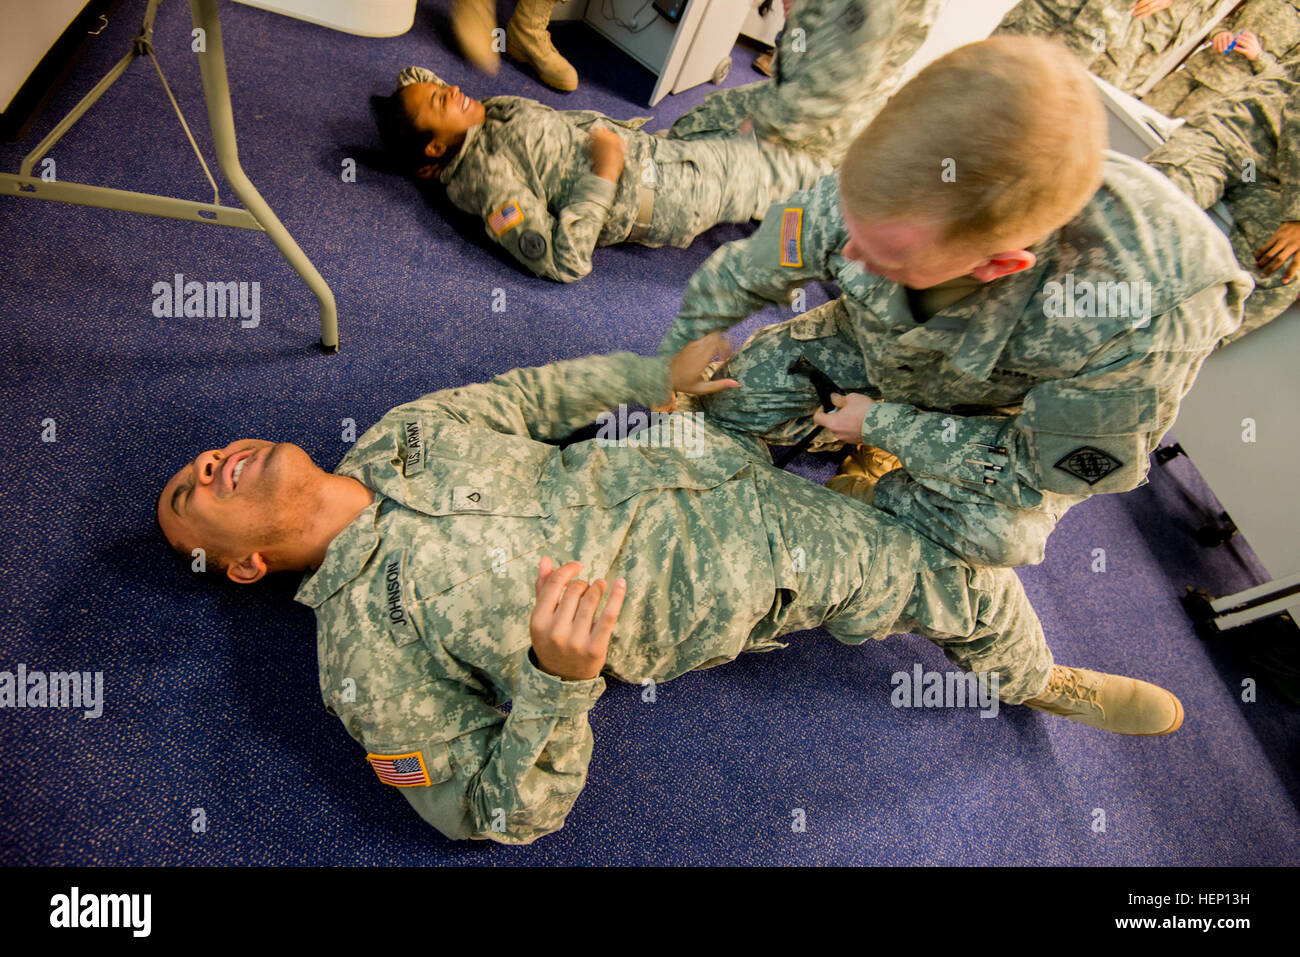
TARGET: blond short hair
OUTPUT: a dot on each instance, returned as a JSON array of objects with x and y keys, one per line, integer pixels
[{"x": 1018, "y": 124}]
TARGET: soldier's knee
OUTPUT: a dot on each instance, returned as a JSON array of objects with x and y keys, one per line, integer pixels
[{"x": 1023, "y": 548}]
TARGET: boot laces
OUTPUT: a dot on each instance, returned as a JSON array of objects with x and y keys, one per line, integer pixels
[{"x": 1065, "y": 682}]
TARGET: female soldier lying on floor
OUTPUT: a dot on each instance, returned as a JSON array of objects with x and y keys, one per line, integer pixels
[{"x": 552, "y": 185}]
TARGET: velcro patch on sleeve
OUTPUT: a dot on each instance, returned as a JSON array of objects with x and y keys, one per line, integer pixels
[
  {"x": 506, "y": 218},
  {"x": 401, "y": 770},
  {"x": 792, "y": 237}
]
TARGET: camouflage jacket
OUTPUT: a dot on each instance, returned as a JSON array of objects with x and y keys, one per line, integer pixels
[
  {"x": 423, "y": 602},
  {"x": 1092, "y": 348}
]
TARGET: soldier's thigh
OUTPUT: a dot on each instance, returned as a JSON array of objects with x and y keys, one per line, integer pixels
[
  {"x": 771, "y": 401},
  {"x": 1197, "y": 162}
]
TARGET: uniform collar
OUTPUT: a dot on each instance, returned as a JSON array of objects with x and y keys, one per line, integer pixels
[
  {"x": 346, "y": 555},
  {"x": 971, "y": 332}
]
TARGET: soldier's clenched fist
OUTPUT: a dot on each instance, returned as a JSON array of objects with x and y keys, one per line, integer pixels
[{"x": 568, "y": 640}]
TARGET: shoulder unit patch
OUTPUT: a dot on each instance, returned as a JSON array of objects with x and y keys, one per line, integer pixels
[
  {"x": 532, "y": 244},
  {"x": 1089, "y": 464},
  {"x": 401, "y": 770}
]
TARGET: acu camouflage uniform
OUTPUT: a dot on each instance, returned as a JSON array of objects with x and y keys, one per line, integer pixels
[
  {"x": 839, "y": 61},
  {"x": 1209, "y": 76},
  {"x": 1113, "y": 44},
  {"x": 423, "y": 602},
  {"x": 527, "y": 172},
  {"x": 1008, "y": 405},
  {"x": 1255, "y": 133}
]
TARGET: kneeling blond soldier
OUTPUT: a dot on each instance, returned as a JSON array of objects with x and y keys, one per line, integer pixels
[
  {"x": 1022, "y": 312},
  {"x": 444, "y": 579}
]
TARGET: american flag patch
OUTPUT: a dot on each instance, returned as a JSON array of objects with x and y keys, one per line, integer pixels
[
  {"x": 505, "y": 218},
  {"x": 791, "y": 237},
  {"x": 400, "y": 770}
]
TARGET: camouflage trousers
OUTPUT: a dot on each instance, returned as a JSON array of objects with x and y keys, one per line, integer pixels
[
  {"x": 843, "y": 566},
  {"x": 722, "y": 179},
  {"x": 837, "y": 63},
  {"x": 778, "y": 408},
  {"x": 1206, "y": 161},
  {"x": 728, "y": 109}
]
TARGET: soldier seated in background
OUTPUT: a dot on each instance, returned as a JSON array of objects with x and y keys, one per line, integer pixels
[
  {"x": 1255, "y": 40},
  {"x": 1246, "y": 152},
  {"x": 431, "y": 557},
  {"x": 552, "y": 185},
  {"x": 1122, "y": 41},
  {"x": 1022, "y": 312}
]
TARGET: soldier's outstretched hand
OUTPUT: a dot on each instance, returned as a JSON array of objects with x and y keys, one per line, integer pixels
[
  {"x": 1284, "y": 244},
  {"x": 569, "y": 641},
  {"x": 691, "y": 364}
]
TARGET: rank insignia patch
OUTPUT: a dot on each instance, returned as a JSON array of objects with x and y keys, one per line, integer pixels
[
  {"x": 505, "y": 218},
  {"x": 792, "y": 237},
  {"x": 1089, "y": 464},
  {"x": 400, "y": 770}
]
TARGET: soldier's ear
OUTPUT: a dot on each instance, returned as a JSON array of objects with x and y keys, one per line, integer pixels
[
  {"x": 435, "y": 149},
  {"x": 1004, "y": 264},
  {"x": 247, "y": 570}
]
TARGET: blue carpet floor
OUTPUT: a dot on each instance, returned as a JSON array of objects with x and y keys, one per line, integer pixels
[{"x": 211, "y": 696}]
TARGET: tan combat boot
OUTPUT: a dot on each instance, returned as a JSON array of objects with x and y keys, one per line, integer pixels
[
  {"x": 472, "y": 22},
  {"x": 529, "y": 41},
  {"x": 1110, "y": 702},
  {"x": 861, "y": 471}
]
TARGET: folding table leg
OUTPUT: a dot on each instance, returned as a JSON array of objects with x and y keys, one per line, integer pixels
[{"x": 216, "y": 89}]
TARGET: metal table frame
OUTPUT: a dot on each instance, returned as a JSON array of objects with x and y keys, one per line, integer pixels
[{"x": 256, "y": 214}]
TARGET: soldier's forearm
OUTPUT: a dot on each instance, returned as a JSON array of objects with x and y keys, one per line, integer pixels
[
  {"x": 716, "y": 298},
  {"x": 578, "y": 226},
  {"x": 538, "y": 765},
  {"x": 557, "y": 399},
  {"x": 982, "y": 453}
]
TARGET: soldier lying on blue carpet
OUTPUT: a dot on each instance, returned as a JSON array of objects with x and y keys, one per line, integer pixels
[
  {"x": 552, "y": 185},
  {"x": 445, "y": 581},
  {"x": 1022, "y": 311}
]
